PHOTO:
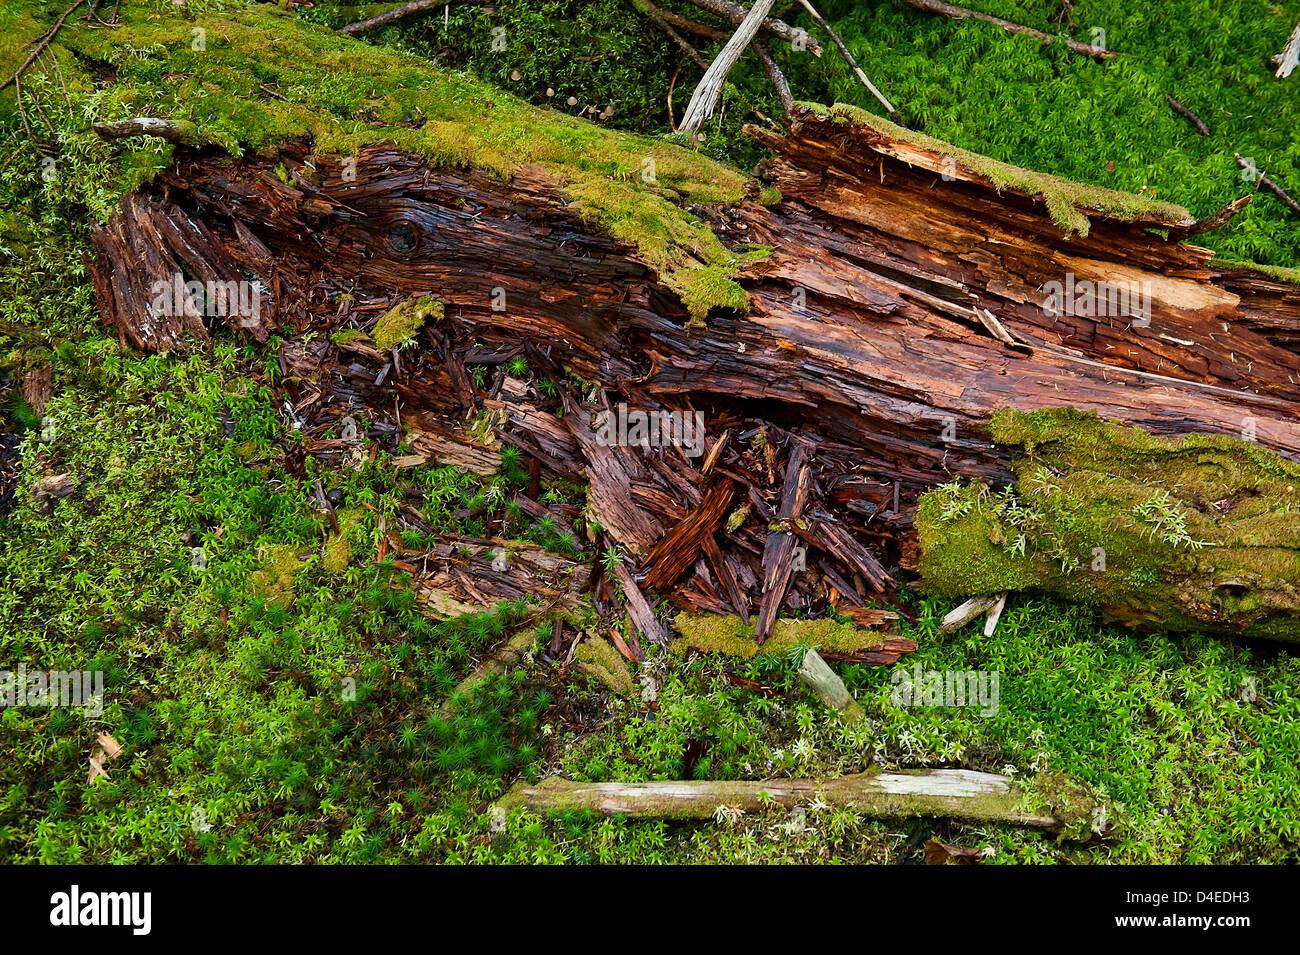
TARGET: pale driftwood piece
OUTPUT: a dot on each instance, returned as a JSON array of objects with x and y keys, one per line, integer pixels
[
  {"x": 961, "y": 794},
  {"x": 995, "y": 614},
  {"x": 830, "y": 689},
  {"x": 958, "y": 617},
  {"x": 705, "y": 98},
  {"x": 961, "y": 13},
  {"x": 735, "y": 13},
  {"x": 848, "y": 58},
  {"x": 1290, "y": 56},
  {"x": 180, "y": 131}
]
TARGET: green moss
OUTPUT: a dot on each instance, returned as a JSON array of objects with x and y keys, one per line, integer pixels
[
  {"x": 604, "y": 663},
  {"x": 338, "y": 549},
  {"x": 769, "y": 196},
  {"x": 349, "y": 336},
  {"x": 1067, "y": 202},
  {"x": 704, "y": 288},
  {"x": 345, "y": 94},
  {"x": 1158, "y": 531},
  {"x": 400, "y": 324},
  {"x": 274, "y": 580},
  {"x": 727, "y": 634}
]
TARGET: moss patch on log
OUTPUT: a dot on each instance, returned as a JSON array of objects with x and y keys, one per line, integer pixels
[
  {"x": 728, "y": 634},
  {"x": 1067, "y": 202},
  {"x": 255, "y": 77},
  {"x": 1194, "y": 533}
]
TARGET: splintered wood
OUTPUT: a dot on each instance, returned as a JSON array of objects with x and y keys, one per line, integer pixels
[{"x": 906, "y": 299}]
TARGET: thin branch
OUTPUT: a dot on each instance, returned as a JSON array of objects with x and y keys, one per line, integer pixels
[
  {"x": 1195, "y": 120},
  {"x": 1220, "y": 218},
  {"x": 653, "y": 13},
  {"x": 844, "y": 51},
  {"x": 1269, "y": 184},
  {"x": 42, "y": 44},
  {"x": 734, "y": 13},
  {"x": 388, "y": 16},
  {"x": 776, "y": 76},
  {"x": 961, "y": 13}
]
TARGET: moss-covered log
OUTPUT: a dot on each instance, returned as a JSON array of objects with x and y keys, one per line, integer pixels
[{"x": 877, "y": 302}]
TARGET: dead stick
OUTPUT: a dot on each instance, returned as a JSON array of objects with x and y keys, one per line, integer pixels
[
  {"x": 774, "y": 74},
  {"x": 1270, "y": 184},
  {"x": 1182, "y": 110},
  {"x": 961, "y": 13},
  {"x": 955, "y": 793},
  {"x": 654, "y": 14},
  {"x": 844, "y": 51},
  {"x": 44, "y": 42},
  {"x": 1220, "y": 218},
  {"x": 388, "y": 16},
  {"x": 735, "y": 13}
]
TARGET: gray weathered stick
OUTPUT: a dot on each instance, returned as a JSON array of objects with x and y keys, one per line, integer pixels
[{"x": 953, "y": 793}]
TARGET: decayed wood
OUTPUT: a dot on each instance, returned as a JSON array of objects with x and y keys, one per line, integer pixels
[
  {"x": 960, "y": 794},
  {"x": 886, "y": 365}
]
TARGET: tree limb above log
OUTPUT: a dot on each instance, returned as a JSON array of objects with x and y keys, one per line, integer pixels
[
  {"x": 735, "y": 13},
  {"x": 962, "y": 13},
  {"x": 390, "y": 16},
  {"x": 960, "y": 794}
]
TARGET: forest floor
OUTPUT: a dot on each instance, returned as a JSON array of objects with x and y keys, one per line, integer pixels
[{"x": 287, "y": 702}]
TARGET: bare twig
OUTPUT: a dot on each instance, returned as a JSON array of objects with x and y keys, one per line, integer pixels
[
  {"x": 1220, "y": 218},
  {"x": 1290, "y": 56},
  {"x": 42, "y": 43},
  {"x": 961, "y": 13},
  {"x": 844, "y": 51},
  {"x": 654, "y": 13},
  {"x": 735, "y": 13},
  {"x": 1269, "y": 184},
  {"x": 1195, "y": 120},
  {"x": 388, "y": 16},
  {"x": 776, "y": 76}
]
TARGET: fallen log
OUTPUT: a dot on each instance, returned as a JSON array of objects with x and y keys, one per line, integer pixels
[
  {"x": 871, "y": 335},
  {"x": 960, "y": 794}
]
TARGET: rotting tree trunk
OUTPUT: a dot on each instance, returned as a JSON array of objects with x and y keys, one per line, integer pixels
[
  {"x": 871, "y": 339},
  {"x": 960, "y": 794}
]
